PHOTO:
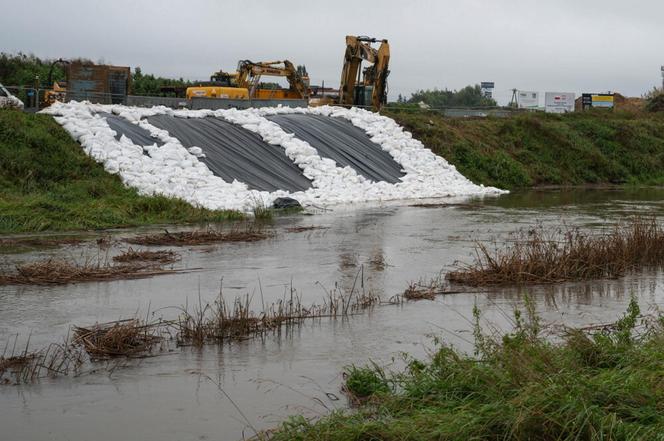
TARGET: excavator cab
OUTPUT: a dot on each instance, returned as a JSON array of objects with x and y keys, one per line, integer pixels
[
  {"x": 223, "y": 79},
  {"x": 367, "y": 87}
]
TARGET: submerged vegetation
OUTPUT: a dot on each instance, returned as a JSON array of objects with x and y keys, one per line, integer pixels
[
  {"x": 245, "y": 232},
  {"x": 537, "y": 149},
  {"x": 539, "y": 256},
  {"x": 21, "y": 366},
  {"x": 603, "y": 384},
  {"x": 215, "y": 322},
  {"x": 65, "y": 271},
  {"x": 124, "y": 338},
  {"x": 47, "y": 182},
  {"x": 220, "y": 321}
]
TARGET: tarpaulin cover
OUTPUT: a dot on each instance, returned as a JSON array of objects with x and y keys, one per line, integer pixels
[
  {"x": 138, "y": 135},
  {"x": 341, "y": 141},
  {"x": 232, "y": 152}
]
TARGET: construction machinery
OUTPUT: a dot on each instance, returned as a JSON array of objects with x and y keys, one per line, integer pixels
[
  {"x": 245, "y": 83},
  {"x": 59, "y": 88},
  {"x": 366, "y": 87}
]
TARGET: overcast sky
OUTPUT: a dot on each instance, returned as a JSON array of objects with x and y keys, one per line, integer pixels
[{"x": 562, "y": 45}]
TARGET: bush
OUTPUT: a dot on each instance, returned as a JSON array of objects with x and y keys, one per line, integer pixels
[{"x": 656, "y": 103}]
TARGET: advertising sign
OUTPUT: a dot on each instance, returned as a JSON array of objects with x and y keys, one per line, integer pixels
[
  {"x": 559, "y": 102},
  {"x": 487, "y": 88},
  {"x": 601, "y": 100},
  {"x": 528, "y": 100}
]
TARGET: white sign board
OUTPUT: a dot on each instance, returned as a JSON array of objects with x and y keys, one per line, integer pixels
[
  {"x": 559, "y": 102},
  {"x": 528, "y": 100}
]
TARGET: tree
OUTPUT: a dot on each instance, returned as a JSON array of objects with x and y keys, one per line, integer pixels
[{"x": 469, "y": 96}]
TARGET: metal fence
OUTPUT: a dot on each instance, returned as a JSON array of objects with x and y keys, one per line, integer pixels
[
  {"x": 151, "y": 101},
  {"x": 32, "y": 98},
  {"x": 199, "y": 103}
]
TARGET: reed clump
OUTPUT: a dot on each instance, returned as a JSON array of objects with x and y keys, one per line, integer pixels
[
  {"x": 224, "y": 321},
  {"x": 249, "y": 232},
  {"x": 417, "y": 291},
  {"x": 123, "y": 338},
  {"x": 64, "y": 271},
  {"x": 541, "y": 256},
  {"x": 162, "y": 256}
]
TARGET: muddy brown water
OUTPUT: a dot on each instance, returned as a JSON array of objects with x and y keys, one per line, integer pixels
[{"x": 177, "y": 396}]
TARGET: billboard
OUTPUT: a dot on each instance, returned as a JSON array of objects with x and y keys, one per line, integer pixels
[
  {"x": 487, "y": 88},
  {"x": 528, "y": 100},
  {"x": 559, "y": 102},
  {"x": 601, "y": 100}
]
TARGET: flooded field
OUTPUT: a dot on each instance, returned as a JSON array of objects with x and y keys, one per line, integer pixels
[{"x": 226, "y": 392}]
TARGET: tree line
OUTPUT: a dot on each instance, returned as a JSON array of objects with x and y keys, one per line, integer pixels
[{"x": 469, "y": 96}]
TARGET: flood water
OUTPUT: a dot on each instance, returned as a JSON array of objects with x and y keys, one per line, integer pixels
[{"x": 225, "y": 392}]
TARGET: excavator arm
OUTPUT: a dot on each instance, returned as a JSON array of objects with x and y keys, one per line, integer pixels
[
  {"x": 359, "y": 49},
  {"x": 250, "y": 73}
]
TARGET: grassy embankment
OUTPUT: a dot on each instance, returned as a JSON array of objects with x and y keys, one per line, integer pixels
[
  {"x": 47, "y": 182},
  {"x": 600, "y": 384},
  {"x": 537, "y": 149}
]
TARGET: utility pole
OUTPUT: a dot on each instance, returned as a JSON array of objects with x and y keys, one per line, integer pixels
[
  {"x": 514, "y": 102},
  {"x": 662, "y": 68}
]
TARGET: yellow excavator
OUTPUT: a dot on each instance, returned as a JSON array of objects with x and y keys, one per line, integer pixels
[
  {"x": 245, "y": 82},
  {"x": 58, "y": 91},
  {"x": 369, "y": 89}
]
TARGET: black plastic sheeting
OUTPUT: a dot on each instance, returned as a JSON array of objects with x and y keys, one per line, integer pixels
[
  {"x": 232, "y": 152},
  {"x": 339, "y": 140},
  {"x": 138, "y": 135}
]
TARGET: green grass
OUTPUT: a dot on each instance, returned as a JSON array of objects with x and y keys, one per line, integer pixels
[
  {"x": 536, "y": 149},
  {"x": 47, "y": 182},
  {"x": 605, "y": 385}
]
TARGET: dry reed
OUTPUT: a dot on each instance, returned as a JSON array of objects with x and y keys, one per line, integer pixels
[
  {"x": 420, "y": 292},
  {"x": 29, "y": 366},
  {"x": 123, "y": 338},
  {"x": 247, "y": 233},
  {"x": 162, "y": 256},
  {"x": 221, "y": 321},
  {"x": 61, "y": 271},
  {"x": 539, "y": 256}
]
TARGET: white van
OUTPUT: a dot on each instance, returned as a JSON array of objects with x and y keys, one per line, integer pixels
[{"x": 9, "y": 101}]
